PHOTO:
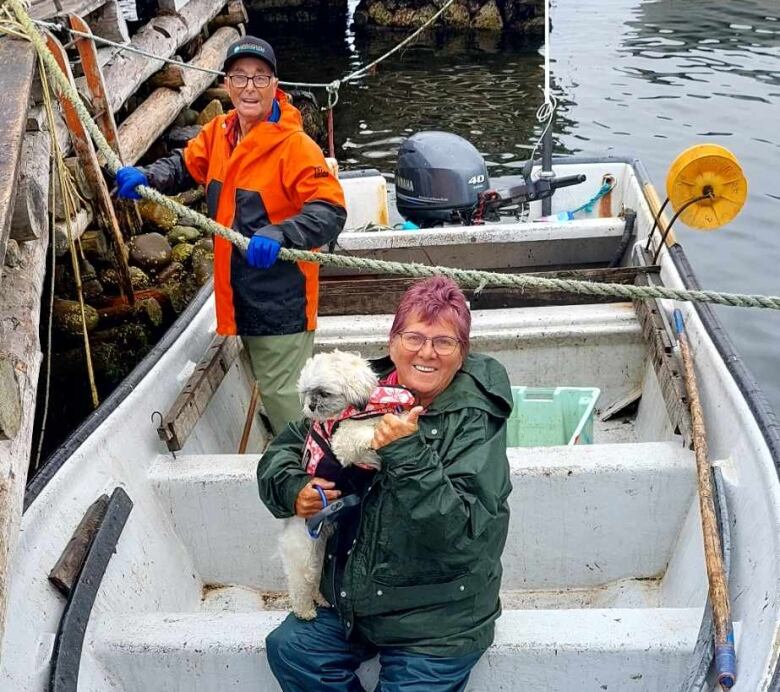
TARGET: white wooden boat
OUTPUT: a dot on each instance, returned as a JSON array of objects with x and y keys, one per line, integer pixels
[{"x": 605, "y": 584}]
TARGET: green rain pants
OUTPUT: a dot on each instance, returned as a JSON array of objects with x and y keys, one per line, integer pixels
[{"x": 276, "y": 363}]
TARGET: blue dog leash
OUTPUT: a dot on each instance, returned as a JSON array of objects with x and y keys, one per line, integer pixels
[
  {"x": 329, "y": 512},
  {"x": 314, "y": 533}
]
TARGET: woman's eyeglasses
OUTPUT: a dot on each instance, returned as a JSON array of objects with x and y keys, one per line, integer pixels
[
  {"x": 239, "y": 81},
  {"x": 443, "y": 345}
]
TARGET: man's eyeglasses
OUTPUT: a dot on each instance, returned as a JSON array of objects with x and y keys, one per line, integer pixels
[
  {"x": 239, "y": 81},
  {"x": 443, "y": 345}
]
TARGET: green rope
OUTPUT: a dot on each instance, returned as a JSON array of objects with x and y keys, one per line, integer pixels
[
  {"x": 465, "y": 277},
  {"x": 588, "y": 206}
]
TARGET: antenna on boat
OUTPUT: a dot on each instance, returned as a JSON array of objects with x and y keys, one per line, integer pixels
[
  {"x": 707, "y": 189},
  {"x": 547, "y": 109}
]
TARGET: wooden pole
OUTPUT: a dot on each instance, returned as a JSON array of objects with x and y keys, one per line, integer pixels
[
  {"x": 725, "y": 656},
  {"x": 250, "y": 416},
  {"x": 88, "y": 158},
  {"x": 126, "y": 212}
]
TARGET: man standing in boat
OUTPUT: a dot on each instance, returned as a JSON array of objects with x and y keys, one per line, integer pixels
[{"x": 268, "y": 180}]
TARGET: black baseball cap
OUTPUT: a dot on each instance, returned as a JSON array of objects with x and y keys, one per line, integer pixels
[{"x": 250, "y": 47}]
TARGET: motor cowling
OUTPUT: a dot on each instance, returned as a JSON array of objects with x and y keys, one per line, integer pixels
[{"x": 438, "y": 178}]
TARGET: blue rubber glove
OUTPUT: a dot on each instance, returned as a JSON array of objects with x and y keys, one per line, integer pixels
[
  {"x": 262, "y": 251},
  {"x": 127, "y": 178}
]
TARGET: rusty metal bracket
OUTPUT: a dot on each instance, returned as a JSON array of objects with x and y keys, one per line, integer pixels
[{"x": 88, "y": 159}]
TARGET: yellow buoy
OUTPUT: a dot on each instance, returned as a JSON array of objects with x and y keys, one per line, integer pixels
[{"x": 711, "y": 170}]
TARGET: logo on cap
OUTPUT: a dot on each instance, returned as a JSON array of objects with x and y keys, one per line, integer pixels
[{"x": 249, "y": 46}]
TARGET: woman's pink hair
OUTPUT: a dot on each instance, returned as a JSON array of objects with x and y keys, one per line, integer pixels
[{"x": 434, "y": 300}]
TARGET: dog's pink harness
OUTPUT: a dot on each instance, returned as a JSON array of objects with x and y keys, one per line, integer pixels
[{"x": 388, "y": 397}]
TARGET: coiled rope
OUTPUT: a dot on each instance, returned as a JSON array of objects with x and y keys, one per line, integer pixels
[{"x": 465, "y": 277}]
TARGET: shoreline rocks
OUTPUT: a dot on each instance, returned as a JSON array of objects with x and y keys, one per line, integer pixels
[{"x": 520, "y": 17}]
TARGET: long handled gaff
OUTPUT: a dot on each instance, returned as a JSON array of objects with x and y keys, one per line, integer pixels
[{"x": 725, "y": 656}]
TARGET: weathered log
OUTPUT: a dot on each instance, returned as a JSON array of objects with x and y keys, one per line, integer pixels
[
  {"x": 18, "y": 60},
  {"x": 79, "y": 224},
  {"x": 170, "y": 77},
  {"x": 45, "y": 9},
  {"x": 38, "y": 121},
  {"x": 154, "y": 115},
  {"x": 20, "y": 298},
  {"x": 162, "y": 36},
  {"x": 171, "y": 5},
  {"x": 234, "y": 15},
  {"x": 109, "y": 22},
  {"x": 10, "y": 405},
  {"x": 94, "y": 244},
  {"x": 31, "y": 209},
  {"x": 66, "y": 570}
]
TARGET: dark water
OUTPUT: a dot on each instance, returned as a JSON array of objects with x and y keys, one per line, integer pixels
[{"x": 632, "y": 77}]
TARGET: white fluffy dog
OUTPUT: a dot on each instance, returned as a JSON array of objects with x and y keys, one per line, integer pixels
[{"x": 329, "y": 384}]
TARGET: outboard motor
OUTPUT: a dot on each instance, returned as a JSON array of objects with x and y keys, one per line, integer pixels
[{"x": 439, "y": 177}]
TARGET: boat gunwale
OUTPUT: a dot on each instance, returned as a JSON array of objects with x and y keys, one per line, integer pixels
[
  {"x": 57, "y": 459},
  {"x": 765, "y": 417}
]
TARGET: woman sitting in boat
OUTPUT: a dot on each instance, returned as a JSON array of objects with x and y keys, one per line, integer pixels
[{"x": 414, "y": 576}]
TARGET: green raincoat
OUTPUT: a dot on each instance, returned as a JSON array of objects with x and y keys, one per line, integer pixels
[{"x": 419, "y": 566}]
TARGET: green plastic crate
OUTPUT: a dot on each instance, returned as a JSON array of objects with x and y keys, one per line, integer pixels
[{"x": 548, "y": 416}]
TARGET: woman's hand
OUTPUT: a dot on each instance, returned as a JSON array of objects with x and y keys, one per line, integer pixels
[
  {"x": 392, "y": 427},
  {"x": 309, "y": 502}
]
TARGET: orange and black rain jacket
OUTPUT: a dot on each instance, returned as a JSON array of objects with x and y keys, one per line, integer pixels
[{"x": 273, "y": 182}]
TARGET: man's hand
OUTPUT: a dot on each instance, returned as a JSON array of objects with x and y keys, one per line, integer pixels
[
  {"x": 392, "y": 427},
  {"x": 127, "y": 179},
  {"x": 309, "y": 502},
  {"x": 262, "y": 251}
]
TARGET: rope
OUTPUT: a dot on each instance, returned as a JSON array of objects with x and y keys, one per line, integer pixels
[
  {"x": 60, "y": 177},
  {"x": 361, "y": 72},
  {"x": 125, "y": 48},
  {"x": 465, "y": 277},
  {"x": 607, "y": 185},
  {"x": 331, "y": 87}
]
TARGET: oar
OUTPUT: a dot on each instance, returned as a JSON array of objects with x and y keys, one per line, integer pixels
[{"x": 725, "y": 656}]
